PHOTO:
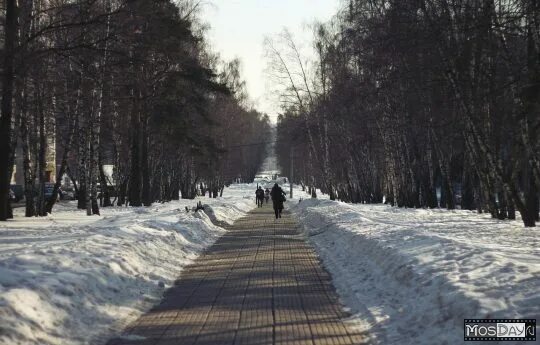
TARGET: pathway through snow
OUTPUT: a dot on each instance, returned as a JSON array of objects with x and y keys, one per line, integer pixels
[{"x": 67, "y": 278}]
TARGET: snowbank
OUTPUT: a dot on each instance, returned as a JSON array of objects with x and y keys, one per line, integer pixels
[
  {"x": 72, "y": 279},
  {"x": 412, "y": 276}
]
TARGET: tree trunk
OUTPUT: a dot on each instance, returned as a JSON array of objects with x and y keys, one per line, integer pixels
[
  {"x": 431, "y": 191},
  {"x": 42, "y": 160},
  {"x": 10, "y": 32},
  {"x": 511, "y": 207},
  {"x": 95, "y": 165},
  {"x": 29, "y": 188},
  {"x": 89, "y": 176},
  {"x": 146, "y": 195},
  {"x": 135, "y": 169},
  {"x": 530, "y": 214},
  {"x": 104, "y": 187},
  {"x": 122, "y": 192},
  {"x": 467, "y": 190},
  {"x": 82, "y": 160}
]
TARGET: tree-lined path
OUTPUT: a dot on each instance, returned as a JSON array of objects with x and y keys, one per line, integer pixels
[{"x": 261, "y": 283}]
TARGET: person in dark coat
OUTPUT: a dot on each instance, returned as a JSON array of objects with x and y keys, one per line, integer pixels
[
  {"x": 259, "y": 196},
  {"x": 278, "y": 197}
]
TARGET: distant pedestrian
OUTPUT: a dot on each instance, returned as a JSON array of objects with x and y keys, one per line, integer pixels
[
  {"x": 267, "y": 195},
  {"x": 259, "y": 195},
  {"x": 278, "y": 198}
]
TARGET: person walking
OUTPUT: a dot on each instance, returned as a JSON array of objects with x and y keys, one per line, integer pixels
[
  {"x": 278, "y": 197},
  {"x": 259, "y": 195},
  {"x": 267, "y": 195}
]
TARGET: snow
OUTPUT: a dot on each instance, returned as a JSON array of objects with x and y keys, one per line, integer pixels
[
  {"x": 411, "y": 276},
  {"x": 72, "y": 279}
]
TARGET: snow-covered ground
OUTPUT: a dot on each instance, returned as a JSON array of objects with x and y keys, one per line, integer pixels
[
  {"x": 73, "y": 279},
  {"x": 411, "y": 276}
]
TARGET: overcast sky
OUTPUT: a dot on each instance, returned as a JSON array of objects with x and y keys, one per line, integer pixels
[{"x": 239, "y": 28}]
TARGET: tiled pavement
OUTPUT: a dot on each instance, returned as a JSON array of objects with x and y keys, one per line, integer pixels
[{"x": 261, "y": 283}]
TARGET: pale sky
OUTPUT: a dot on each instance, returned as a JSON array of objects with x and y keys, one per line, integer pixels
[{"x": 239, "y": 27}]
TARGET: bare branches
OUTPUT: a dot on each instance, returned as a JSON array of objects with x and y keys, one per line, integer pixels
[
  {"x": 131, "y": 89},
  {"x": 434, "y": 95}
]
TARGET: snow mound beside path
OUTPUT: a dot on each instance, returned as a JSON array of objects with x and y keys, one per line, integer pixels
[
  {"x": 72, "y": 279},
  {"x": 411, "y": 275}
]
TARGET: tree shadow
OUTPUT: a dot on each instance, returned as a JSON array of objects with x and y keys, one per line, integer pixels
[{"x": 261, "y": 283}]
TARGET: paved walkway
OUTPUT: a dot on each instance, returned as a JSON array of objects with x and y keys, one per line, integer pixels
[{"x": 261, "y": 283}]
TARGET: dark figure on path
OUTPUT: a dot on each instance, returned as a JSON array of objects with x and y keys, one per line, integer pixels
[
  {"x": 259, "y": 195},
  {"x": 267, "y": 195},
  {"x": 278, "y": 197}
]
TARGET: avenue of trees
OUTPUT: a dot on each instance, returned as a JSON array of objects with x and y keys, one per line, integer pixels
[
  {"x": 421, "y": 103},
  {"x": 130, "y": 83}
]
